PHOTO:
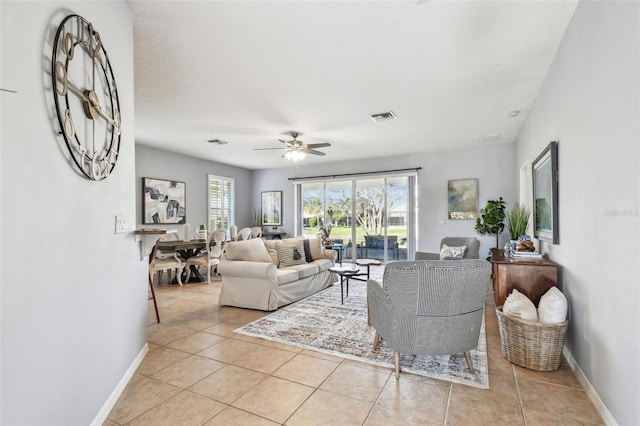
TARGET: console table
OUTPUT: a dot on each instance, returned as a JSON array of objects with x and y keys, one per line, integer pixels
[{"x": 530, "y": 277}]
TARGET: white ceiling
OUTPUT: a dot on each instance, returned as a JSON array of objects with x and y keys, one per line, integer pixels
[{"x": 246, "y": 72}]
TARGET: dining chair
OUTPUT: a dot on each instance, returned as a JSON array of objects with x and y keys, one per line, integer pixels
[
  {"x": 233, "y": 232},
  {"x": 211, "y": 254},
  {"x": 256, "y": 232},
  {"x": 166, "y": 254},
  {"x": 158, "y": 264},
  {"x": 244, "y": 234}
]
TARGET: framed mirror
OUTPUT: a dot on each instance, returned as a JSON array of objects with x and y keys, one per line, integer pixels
[
  {"x": 272, "y": 208},
  {"x": 545, "y": 194}
]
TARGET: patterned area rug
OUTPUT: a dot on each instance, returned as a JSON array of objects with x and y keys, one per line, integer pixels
[{"x": 322, "y": 324}]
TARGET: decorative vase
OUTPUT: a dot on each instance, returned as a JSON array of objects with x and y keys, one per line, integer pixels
[{"x": 187, "y": 232}]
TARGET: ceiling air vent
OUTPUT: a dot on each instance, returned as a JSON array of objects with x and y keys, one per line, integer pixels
[
  {"x": 217, "y": 142},
  {"x": 383, "y": 116},
  {"x": 485, "y": 139}
]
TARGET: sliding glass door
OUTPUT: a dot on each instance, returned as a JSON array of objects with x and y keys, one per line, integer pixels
[{"x": 371, "y": 217}]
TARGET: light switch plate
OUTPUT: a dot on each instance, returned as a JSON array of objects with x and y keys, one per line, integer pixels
[{"x": 121, "y": 224}]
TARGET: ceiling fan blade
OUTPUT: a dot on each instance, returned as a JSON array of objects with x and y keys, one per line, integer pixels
[
  {"x": 267, "y": 149},
  {"x": 317, "y": 145},
  {"x": 314, "y": 152}
]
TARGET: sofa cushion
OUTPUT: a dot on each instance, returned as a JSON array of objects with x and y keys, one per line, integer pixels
[
  {"x": 273, "y": 252},
  {"x": 323, "y": 264},
  {"x": 305, "y": 270},
  {"x": 290, "y": 253},
  {"x": 449, "y": 253},
  {"x": 286, "y": 276},
  {"x": 252, "y": 250}
]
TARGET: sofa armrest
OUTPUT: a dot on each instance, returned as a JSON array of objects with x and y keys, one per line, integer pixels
[
  {"x": 246, "y": 269},
  {"x": 420, "y": 255},
  {"x": 330, "y": 254}
]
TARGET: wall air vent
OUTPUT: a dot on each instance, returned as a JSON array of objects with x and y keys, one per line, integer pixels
[
  {"x": 217, "y": 142},
  {"x": 383, "y": 116}
]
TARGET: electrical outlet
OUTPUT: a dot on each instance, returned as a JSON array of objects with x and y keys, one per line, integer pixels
[{"x": 121, "y": 224}]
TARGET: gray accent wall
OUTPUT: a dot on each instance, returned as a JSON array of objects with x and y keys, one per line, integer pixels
[
  {"x": 74, "y": 293},
  {"x": 159, "y": 164},
  {"x": 491, "y": 165},
  {"x": 590, "y": 103}
]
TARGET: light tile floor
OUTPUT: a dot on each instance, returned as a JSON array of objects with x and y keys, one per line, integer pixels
[{"x": 198, "y": 372}]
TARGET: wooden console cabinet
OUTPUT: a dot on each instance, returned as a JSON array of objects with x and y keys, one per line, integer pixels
[{"x": 529, "y": 277}]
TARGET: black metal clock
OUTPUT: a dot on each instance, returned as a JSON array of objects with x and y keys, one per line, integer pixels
[{"x": 86, "y": 97}]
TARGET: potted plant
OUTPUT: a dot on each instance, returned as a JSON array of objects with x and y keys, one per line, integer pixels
[
  {"x": 491, "y": 220},
  {"x": 518, "y": 219}
]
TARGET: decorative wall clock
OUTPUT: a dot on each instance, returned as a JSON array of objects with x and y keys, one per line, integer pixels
[{"x": 86, "y": 97}]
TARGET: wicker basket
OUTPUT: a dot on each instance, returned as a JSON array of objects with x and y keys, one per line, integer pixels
[{"x": 529, "y": 344}]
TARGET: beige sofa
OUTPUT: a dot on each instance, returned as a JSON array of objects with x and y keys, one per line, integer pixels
[{"x": 266, "y": 274}]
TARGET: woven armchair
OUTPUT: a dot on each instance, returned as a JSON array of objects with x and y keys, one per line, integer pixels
[
  {"x": 472, "y": 244},
  {"x": 429, "y": 307}
]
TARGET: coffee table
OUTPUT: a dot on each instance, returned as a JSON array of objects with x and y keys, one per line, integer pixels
[{"x": 353, "y": 272}]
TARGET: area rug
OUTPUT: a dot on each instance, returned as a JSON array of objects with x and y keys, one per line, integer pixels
[{"x": 322, "y": 324}]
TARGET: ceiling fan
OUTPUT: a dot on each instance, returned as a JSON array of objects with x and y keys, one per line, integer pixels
[{"x": 296, "y": 150}]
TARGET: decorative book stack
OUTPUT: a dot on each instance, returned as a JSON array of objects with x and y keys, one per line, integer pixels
[{"x": 531, "y": 255}]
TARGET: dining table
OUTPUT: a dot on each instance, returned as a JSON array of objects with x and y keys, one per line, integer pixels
[{"x": 185, "y": 249}]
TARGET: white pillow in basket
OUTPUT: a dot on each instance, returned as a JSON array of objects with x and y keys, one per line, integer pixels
[
  {"x": 552, "y": 307},
  {"x": 520, "y": 306},
  {"x": 448, "y": 252}
]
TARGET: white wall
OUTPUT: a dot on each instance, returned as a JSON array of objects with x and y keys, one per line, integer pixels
[
  {"x": 590, "y": 103},
  {"x": 492, "y": 165},
  {"x": 155, "y": 163},
  {"x": 74, "y": 294}
]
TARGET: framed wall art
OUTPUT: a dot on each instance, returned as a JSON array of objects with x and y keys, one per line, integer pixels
[
  {"x": 545, "y": 194},
  {"x": 163, "y": 201},
  {"x": 463, "y": 199},
  {"x": 272, "y": 208}
]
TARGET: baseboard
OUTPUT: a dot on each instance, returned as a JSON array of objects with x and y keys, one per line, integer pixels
[
  {"x": 589, "y": 390},
  {"x": 101, "y": 417}
]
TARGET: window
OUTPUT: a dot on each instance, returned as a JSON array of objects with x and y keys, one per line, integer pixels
[{"x": 222, "y": 202}]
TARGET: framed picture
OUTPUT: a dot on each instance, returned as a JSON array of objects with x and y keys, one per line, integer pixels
[
  {"x": 545, "y": 194},
  {"x": 272, "y": 208},
  {"x": 463, "y": 199},
  {"x": 163, "y": 201}
]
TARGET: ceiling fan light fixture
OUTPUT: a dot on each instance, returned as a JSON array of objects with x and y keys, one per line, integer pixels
[{"x": 294, "y": 155}]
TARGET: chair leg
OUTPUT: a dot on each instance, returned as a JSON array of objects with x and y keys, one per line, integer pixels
[
  {"x": 467, "y": 356},
  {"x": 179, "y": 275},
  {"x": 208, "y": 274},
  {"x": 396, "y": 355},
  {"x": 376, "y": 340},
  {"x": 153, "y": 296}
]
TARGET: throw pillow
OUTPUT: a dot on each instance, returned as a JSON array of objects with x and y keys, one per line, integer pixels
[
  {"x": 519, "y": 305},
  {"x": 315, "y": 244},
  {"x": 552, "y": 307},
  {"x": 291, "y": 253},
  {"x": 271, "y": 249},
  {"x": 307, "y": 251},
  {"x": 448, "y": 253},
  {"x": 252, "y": 250}
]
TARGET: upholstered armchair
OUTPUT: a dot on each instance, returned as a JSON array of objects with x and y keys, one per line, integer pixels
[
  {"x": 472, "y": 245},
  {"x": 429, "y": 307}
]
